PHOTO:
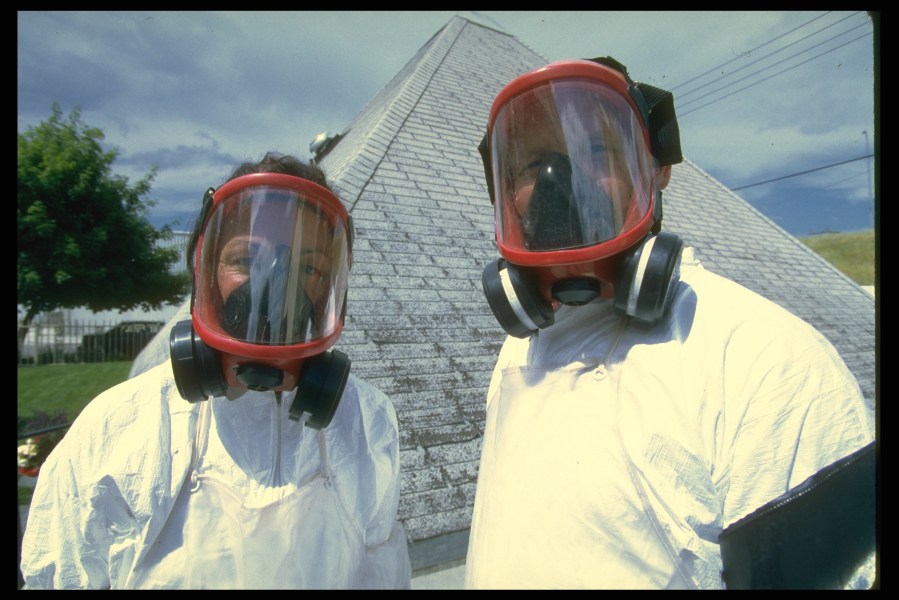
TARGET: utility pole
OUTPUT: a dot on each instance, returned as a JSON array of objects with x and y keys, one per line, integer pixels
[{"x": 868, "y": 165}]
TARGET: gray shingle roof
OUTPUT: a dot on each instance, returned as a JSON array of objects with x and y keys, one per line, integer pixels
[{"x": 418, "y": 326}]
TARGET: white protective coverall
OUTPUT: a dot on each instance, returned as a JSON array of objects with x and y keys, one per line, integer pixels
[
  {"x": 614, "y": 454},
  {"x": 149, "y": 490}
]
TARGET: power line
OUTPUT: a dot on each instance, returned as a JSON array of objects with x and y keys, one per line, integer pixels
[
  {"x": 743, "y": 187},
  {"x": 749, "y": 52},
  {"x": 762, "y": 58},
  {"x": 758, "y": 61},
  {"x": 829, "y": 185},
  {"x": 772, "y": 76}
]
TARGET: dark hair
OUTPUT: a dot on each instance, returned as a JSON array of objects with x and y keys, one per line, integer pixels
[{"x": 272, "y": 162}]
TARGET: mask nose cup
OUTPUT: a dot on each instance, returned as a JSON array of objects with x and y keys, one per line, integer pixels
[
  {"x": 259, "y": 378},
  {"x": 267, "y": 311},
  {"x": 576, "y": 292},
  {"x": 552, "y": 221}
]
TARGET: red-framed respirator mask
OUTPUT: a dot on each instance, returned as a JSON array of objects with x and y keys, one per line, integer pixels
[
  {"x": 270, "y": 286},
  {"x": 570, "y": 156}
]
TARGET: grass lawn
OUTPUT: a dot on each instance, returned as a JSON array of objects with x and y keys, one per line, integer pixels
[
  {"x": 61, "y": 390},
  {"x": 65, "y": 388},
  {"x": 25, "y": 495},
  {"x": 851, "y": 252}
]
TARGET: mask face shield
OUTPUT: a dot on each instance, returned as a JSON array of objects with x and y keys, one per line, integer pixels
[
  {"x": 572, "y": 167},
  {"x": 272, "y": 268}
]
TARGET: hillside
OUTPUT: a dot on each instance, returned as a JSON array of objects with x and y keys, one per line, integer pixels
[{"x": 853, "y": 253}]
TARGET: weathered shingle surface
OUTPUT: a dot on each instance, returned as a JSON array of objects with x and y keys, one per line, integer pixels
[
  {"x": 734, "y": 239},
  {"x": 419, "y": 327},
  {"x": 409, "y": 171}
]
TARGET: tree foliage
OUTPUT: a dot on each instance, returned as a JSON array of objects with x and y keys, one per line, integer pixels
[{"x": 83, "y": 235}]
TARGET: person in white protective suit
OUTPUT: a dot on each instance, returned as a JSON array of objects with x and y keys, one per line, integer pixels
[
  {"x": 252, "y": 458},
  {"x": 641, "y": 404}
]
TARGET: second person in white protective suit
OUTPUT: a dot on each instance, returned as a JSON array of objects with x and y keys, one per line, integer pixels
[
  {"x": 641, "y": 404},
  {"x": 253, "y": 459}
]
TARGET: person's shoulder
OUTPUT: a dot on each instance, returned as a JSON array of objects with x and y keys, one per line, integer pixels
[
  {"x": 359, "y": 386},
  {"x": 127, "y": 400},
  {"x": 147, "y": 383},
  {"x": 714, "y": 287},
  {"x": 120, "y": 424},
  {"x": 708, "y": 284},
  {"x": 366, "y": 399},
  {"x": 366, "y": 394},
  {"x": 726, "y": 306}
]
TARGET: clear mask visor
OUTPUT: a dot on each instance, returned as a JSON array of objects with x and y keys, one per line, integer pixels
[
  {"x": 273, "y": 266},
  {"x": 571, "y": 167}
]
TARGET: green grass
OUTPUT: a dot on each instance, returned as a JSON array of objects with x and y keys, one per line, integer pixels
[
  {"x": 25, "y": 493},
  {"x": 852, "y": 253},
  {"x": 62, "y": 389},
  {"x": 65, "y": 388}
]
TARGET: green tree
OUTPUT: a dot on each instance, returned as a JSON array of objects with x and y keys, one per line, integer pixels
[{"x": 83, "y": 235}]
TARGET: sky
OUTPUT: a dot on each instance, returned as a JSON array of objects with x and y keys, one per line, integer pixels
[{"x": 786, "y": 96}]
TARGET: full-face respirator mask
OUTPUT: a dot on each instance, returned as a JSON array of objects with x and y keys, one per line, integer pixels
[
  {"x": 570, "y": 156},
  {"x": 271, "y": 269}
]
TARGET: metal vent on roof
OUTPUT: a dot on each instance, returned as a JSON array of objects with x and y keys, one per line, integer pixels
[{"x": 322, "y": 144}]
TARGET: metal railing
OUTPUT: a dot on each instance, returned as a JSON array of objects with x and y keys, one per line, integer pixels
[{"x": 77, "y": 342}]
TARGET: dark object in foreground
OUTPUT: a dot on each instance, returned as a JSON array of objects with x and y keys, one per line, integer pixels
[{"x": 812, "y": 537}]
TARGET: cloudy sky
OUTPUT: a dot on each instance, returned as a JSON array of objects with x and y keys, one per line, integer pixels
[{"x": 768, "y": 95}]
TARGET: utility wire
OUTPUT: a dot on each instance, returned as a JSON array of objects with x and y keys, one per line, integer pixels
[
  {"x": 749, "y": 52},
  {"x": 691, "y": 101},
  {"x": 836, "y": 164},
  {"x": 681, "y": 96},
  {"x": 759, "y": 60},
  {"x": 770, "y": 54},
  {"x": 830, "y": 185},
  {"x": 772, "y": 76}
]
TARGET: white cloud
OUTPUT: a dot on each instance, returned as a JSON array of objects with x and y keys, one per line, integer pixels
[{"x": 191, "y": 90}]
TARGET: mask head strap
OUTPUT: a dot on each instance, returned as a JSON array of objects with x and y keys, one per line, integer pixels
[
  {"x": 661, "y": 120},
  {"x": 484, "y": 151}
]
